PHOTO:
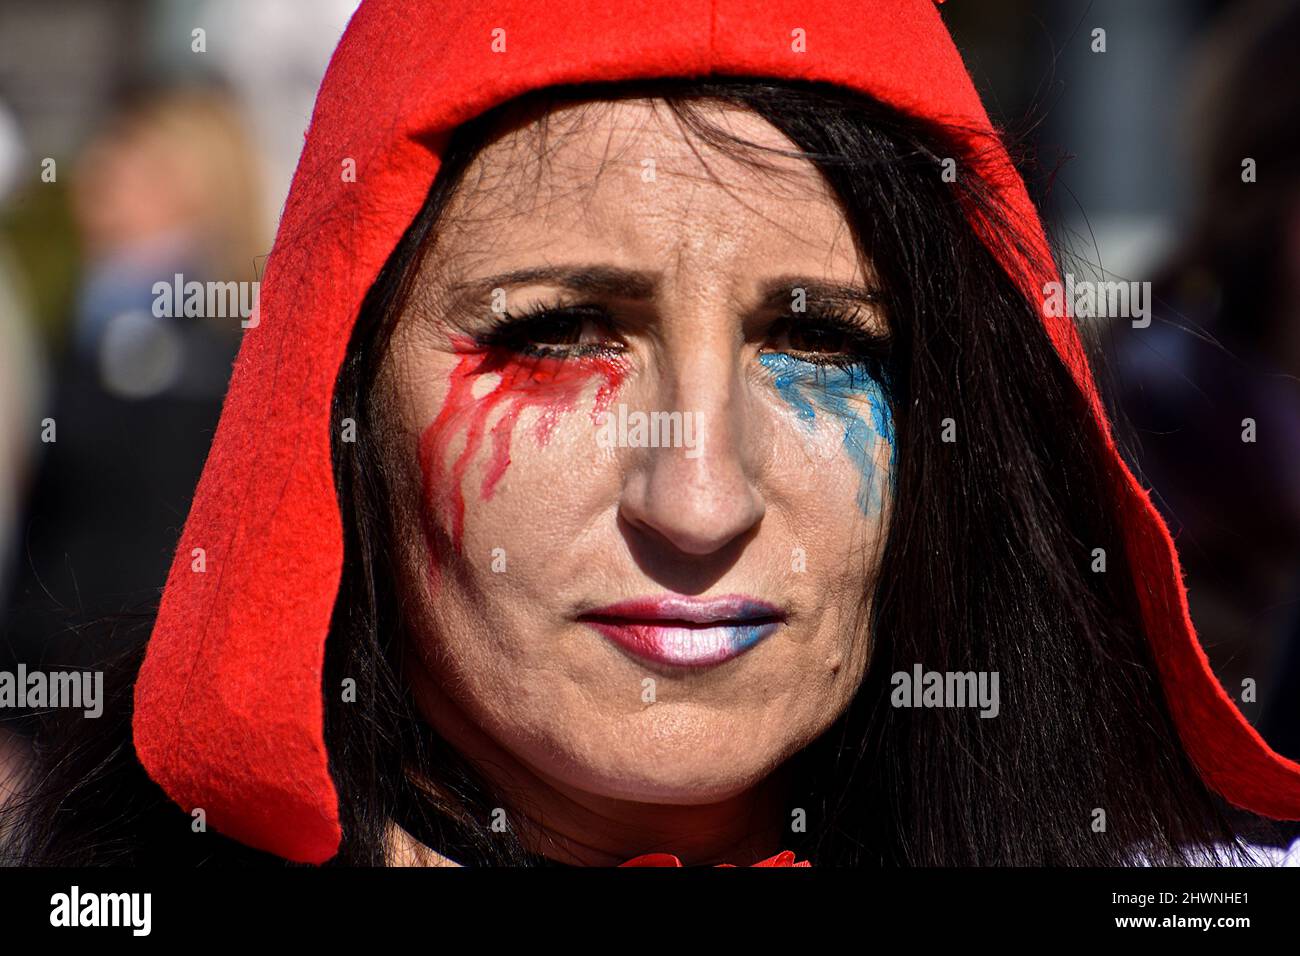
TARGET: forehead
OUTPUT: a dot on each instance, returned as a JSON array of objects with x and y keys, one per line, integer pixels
[{"x": 630, "y": 178}]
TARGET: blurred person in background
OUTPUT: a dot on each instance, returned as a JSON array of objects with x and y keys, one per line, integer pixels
[
  {"x": 22, "y": 369},
  {"x": 174, "y": 181},
  {"x": 1225, "y": 349},
  {"x": 169, "y": 186},
  {"x": 22, "y": 388}
]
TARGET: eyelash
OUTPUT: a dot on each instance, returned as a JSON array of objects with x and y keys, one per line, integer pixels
[
  {"x": 864, "y": 348},
  {"x": 517, "y": 332}
]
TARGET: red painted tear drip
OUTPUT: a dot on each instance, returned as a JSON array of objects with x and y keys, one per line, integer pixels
[{"x": 551, "y": 384}]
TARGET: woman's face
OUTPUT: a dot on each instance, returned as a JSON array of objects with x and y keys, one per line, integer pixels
[{"x": 637, "y": 536}]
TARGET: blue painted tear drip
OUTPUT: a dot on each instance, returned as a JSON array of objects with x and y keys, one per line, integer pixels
[{"x": 808, "y": 387}]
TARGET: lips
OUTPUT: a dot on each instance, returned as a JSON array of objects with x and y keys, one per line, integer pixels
[{"x": 685, "y": 631}]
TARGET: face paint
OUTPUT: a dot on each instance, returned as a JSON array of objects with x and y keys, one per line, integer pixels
[
  {"x": 548, "y": 383},
  {"x": 840, "y": 393}
]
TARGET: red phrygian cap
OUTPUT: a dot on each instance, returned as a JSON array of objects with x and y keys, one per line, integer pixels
[{"x": 229, "y": 705}]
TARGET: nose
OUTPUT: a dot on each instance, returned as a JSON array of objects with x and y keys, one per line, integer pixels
[{"x": 698, "y": 500}]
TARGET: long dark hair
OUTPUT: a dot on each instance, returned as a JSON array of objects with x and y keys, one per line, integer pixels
[{"x": 986, "y": 567}]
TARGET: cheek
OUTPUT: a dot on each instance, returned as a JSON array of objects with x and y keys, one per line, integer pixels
[{"x": 486, "y": 398}]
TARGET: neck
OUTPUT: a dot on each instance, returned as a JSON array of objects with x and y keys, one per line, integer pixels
[{"x": 576, "y": 827}]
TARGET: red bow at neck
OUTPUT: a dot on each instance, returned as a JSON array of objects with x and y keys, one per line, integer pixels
[{"x": 784, "y": 858}]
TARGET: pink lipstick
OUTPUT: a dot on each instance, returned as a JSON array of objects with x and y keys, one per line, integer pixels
[{"x": 686, "y": 631}]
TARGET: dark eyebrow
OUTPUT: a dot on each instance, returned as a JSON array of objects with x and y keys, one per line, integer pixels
[
  {"x": 612, "y": 281},
  {"x": 617, "y": 282},
  {"x": 777, "y": 293}
]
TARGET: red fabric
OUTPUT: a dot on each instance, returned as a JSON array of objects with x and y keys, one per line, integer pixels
[
  {"x": 784, "y": 858},
  {"x": 228, "y": 706}
]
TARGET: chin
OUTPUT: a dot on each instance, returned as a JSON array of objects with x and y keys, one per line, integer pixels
[{"x": 702, "y": 766}]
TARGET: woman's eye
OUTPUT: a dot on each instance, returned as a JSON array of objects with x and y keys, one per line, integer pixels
[
  {"x": 565, "y": 328},
  {"x": 813, "y": 338},
  {"x": 556, "y": 332},
  {"x": 827, "y": 340}
]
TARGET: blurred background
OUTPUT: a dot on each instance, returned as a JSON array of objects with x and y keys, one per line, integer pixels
[{"x": 133, "y": 149}]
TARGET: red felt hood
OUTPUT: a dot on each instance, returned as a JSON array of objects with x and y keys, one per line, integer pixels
[{"x": 229, "y": 705}]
